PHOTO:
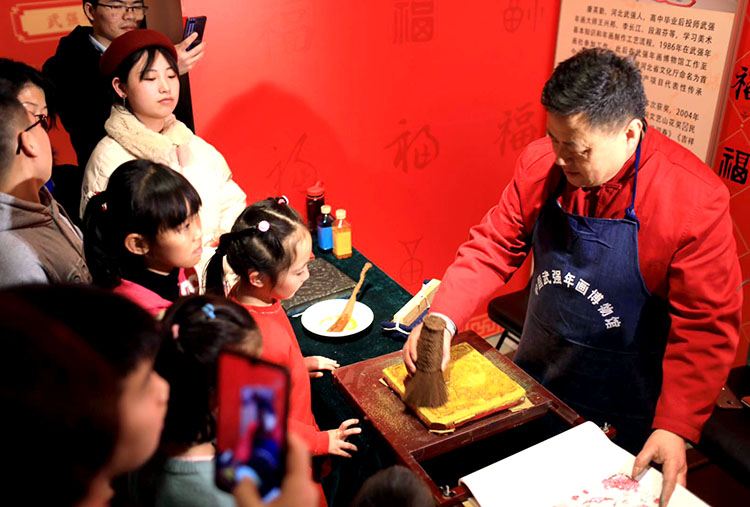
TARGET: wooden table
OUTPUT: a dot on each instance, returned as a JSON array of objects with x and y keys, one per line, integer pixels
[
  {"x": 384, "y": 296},
  {"x": 413, "y": 444}
]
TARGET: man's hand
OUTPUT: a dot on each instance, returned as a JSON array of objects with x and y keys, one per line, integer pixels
[
  {"x": 668, "y": 449},
  {"x": 297, "y": 488},
  {"x": 186, "y": 60},
  {"x": 410, "y": 349},
  {"x": 315, "y": 363}
]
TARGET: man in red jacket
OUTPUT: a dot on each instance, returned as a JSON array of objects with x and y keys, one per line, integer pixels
[{"x": 634, "y": 311}]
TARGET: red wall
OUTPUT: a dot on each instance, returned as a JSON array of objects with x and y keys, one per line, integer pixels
[
  {"x": 292, "y": 91},
  {"x": 731, "y": 164}
]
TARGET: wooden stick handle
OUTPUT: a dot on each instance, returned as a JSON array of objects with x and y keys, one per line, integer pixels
[
  {"x": 353, "y": 298},
  {"x": 343, "y": 319}
]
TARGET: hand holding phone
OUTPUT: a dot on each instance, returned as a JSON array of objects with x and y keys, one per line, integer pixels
[
  {"x": 253, "y": 403},
  {"x": 194, "y": 25},
  {"x": 297, "y": 488},
  {"x": 190, "y": 50}
]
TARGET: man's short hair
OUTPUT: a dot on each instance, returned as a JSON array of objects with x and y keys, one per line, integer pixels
[
  {"x": 95, "y": 2},
  {"x": 396, "y": 485},
  {"x": 605, "y": 87},
  {"x": 14, "y": 76},
  {"x": 13, "y": 115}
]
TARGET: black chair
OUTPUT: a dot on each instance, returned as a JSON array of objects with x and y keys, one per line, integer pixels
[
  {"x": 725, "y": 440},
  {"x": 509, "y": 311}
]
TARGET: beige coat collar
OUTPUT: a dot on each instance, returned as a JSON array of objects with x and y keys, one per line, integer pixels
[{"x": 135, "y": 137}]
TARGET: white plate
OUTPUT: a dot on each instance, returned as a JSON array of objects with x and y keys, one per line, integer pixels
[{"x": 321, "y": 316}]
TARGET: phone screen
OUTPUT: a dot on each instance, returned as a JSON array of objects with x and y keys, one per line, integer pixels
[
  {"x": 251, "y": 431},
  {"x": 197, "y": 24}
]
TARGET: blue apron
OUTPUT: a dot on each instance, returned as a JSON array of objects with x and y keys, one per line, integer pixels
[{"x": 594, "y": 335}]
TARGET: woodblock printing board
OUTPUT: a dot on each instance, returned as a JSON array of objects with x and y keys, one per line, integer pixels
[
  {"x": 475, "y": 387},
  {"x": 361, "y": 385}
]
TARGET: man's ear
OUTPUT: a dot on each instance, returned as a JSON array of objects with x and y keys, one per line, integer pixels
[
  {"x": 119, "y": 87},
  {"x": 136, "y": 244},
  {"x": 28, "y": 144},
  {"x": 633, "y": 131},
  {"x": 256, "y": 279},
  {"x": 88, "y": 11}
]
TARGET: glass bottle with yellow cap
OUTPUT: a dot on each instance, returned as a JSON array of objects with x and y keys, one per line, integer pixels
[{"x": 342, "y": 236}]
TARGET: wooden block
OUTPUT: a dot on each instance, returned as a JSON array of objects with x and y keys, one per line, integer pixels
[{"x": 418, "y": 304}]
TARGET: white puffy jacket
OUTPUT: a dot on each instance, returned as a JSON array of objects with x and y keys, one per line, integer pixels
[{"x": 177, "y": 147}]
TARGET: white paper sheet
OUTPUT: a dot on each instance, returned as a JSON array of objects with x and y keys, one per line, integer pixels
[{"x": 556, "y": 470}]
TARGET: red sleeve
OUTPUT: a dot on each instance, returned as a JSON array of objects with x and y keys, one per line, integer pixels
[
  {"x": 498, "y": 245},
  {"x": 316, "y": 440},
  {"x": 705, "y": 306}
]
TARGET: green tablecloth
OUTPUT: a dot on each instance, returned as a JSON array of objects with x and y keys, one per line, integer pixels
[{"x": 384, "y": 296}]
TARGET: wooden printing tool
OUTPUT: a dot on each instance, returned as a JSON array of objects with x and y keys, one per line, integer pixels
[
  {"x": 343, "y": 319},
  {"x": 417, "y": 304},
  {"x": 414, "y": 445}
]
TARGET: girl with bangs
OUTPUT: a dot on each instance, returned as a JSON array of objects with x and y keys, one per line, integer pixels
[{"x": 143, "y": 235}]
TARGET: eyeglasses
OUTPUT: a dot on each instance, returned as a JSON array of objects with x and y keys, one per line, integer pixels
[
  {"x": 43, "y": 120},
  {"x": 120, "y": 10}
]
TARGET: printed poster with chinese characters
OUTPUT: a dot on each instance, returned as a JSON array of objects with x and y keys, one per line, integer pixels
[
  {"x": 682, "y": 48},
  {"x": 46, "y": 20}
]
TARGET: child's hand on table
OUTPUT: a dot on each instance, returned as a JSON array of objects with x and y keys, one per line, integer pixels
[
  {"x": 316, "y": 363},
  {"x": 337, "y": 444}
]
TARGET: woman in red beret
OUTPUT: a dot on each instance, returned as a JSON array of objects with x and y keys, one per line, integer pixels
[{"x": 143, "y": 68}]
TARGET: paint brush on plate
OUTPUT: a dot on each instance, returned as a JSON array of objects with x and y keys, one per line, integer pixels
[{"x": 343, "y": 319}]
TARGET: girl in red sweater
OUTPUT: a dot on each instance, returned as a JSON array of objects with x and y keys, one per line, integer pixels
[{"x": 269, "y": 248}]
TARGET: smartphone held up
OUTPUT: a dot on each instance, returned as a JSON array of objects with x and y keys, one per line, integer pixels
[
  {"x": 194, "y": 24},
  {"x": 253, "y": 401}
]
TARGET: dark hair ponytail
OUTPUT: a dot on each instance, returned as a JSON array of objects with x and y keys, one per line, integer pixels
[
  {"x": 260, "y": 241},
  {"x": 197, "y": 329},
  {"x": 105, "y": 268},
  {"x": 142, "y": 197}
]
